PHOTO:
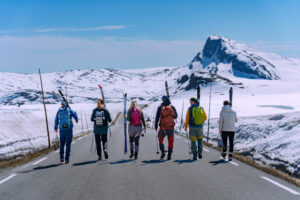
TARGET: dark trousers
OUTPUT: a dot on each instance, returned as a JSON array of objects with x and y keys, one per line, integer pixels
[
  {"x": 98, "y": 139},
  {"x": 230, "y": 135},
  {"x": 135, "y": 140},
  {"x": 65, "y": 139}
]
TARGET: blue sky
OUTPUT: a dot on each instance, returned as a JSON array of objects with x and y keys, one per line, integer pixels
[{"x": 62, "y": 35}]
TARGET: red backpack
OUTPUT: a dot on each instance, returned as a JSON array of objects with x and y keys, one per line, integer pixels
[
  {"x": 135, "y": 117},
  {"x": 167, "y": 117}
]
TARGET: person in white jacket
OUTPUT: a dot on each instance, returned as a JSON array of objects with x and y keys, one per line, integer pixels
[{"x": 227, "y": 121}]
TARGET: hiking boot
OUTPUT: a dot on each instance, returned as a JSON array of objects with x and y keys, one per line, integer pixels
[
  {"x": 194, "y": 157},
  {"x": 135, "y": 155},
  {"x": 169, "y": 154},
  {"x": 200, "y": 155},
  {"x": 223, "y": 154},
  {"x": 66, "y": 162},
  {"x": 230, "y": 157},
  {"x": 162, "y": 156},
  {"x": 62, "y": 160},
  {"x": 105, "y": 154},
  {"x": 99, "y": 158},
  {"x": 131, "y": 154}
]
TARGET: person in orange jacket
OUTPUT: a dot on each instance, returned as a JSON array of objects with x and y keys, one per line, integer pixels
[{"x": 195, "y": 118}]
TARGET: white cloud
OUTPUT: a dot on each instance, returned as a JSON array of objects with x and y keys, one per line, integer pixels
[{"x": 97, "y": 28}]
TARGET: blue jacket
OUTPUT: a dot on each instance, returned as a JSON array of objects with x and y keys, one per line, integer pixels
[{"x": 72, "y": 115}]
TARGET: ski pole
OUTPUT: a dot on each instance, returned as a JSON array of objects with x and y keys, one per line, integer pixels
[{"x": 181, "y": 121}]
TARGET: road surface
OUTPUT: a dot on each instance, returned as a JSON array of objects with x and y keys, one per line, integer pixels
[{"x": 148, "y": 177}]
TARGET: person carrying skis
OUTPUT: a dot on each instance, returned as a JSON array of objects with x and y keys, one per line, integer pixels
[
  {"x": 195, "y": 117},
  {"x": 227, "y": 121},
  {"x": 136, "y": 123},
  {"x": 101, "y": 117},
  {"x": 64, "y": 119},
  {"x": 165, "y": 117}
]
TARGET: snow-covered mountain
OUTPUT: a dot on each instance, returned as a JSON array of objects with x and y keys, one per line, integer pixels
[
  {"x": 222, "y": 61},
  {"x": 245, "y": 62}
]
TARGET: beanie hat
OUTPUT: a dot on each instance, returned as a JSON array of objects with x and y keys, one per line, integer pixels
[
  {"x": 194, "y": 100},
  {"x": 164, "y": 98},
  {"x": 64, "y": 103}
]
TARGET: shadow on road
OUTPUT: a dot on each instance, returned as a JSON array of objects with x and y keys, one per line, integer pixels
[
  {"x": 41, "y": 167},
  {"x": 184, "y": 161},
  {"x": 145, "y": 162},
  {"x": 85, "y": 163},
  {"x": 216, "y": 162},
  {"x": 121, "y": 161}
]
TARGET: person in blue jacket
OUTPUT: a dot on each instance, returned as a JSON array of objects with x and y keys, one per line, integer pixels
[{"x": 63, "y": 121}]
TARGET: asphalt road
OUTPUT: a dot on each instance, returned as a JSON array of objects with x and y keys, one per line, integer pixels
[{"x": 146, "y": 178}]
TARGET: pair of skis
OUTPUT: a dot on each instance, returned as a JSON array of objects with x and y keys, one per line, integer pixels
[
  {"x": 125, "y": 123},
  {"x": 61, "y": 97},
  {"x": 102, "y": 94}
]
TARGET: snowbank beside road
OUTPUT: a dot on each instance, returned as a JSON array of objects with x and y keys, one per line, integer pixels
[{"x": 23, "y": 129}]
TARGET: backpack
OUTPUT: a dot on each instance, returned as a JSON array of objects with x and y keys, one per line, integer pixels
[
  {"x": 167, "y": 117},
  {"x": 99, "y": 118},
  {"x": 198, "y": 115},
  {"x": 135, "y": 117},
  {"x": 64, "y": 119}
]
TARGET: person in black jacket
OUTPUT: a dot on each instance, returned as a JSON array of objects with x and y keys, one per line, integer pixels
[
  {"x": 101, "y": 117},
  {"x": 165, "y": 117}
]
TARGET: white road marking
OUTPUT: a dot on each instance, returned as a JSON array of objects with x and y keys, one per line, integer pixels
[
  {"x": 40, "y": 160},
  {"x": 57, "y": 151},
  {"x": 177, "y": 137},
  {"x": 234, "y": 163},
  {"x": 280, "y": 185},
  {"x": 204, "y": 149},
  {"x": 73, "y": 143},
  {"x": 80, "y": 138},
  {"x": 186, "y": 141},
  {"x": 7, "y": 178}
]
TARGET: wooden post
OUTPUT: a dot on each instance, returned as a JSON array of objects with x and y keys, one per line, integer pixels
[
  {"x": 82, "y": 122},
  {"x": 49, "y": 145},
  {"x": 209, "y": 112}
]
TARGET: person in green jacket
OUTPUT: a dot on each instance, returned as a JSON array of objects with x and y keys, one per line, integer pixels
[
  {"x": 101, "y": 118},
  {"x": 136, "y": 123}
]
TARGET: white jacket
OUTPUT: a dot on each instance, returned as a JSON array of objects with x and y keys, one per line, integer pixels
[{"x": 227, "y": 119}]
